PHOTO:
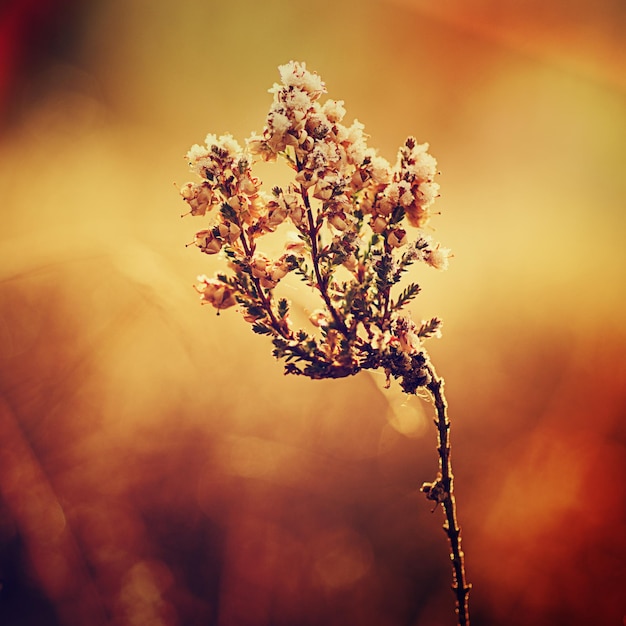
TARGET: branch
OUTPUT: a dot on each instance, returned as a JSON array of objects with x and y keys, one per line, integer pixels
[{"x": 442, "y": 491}]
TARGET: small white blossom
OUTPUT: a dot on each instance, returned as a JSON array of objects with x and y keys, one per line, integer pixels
[
  {"x": 438, "y": 257},
  {"x": 215, "y": 292},
  {"x": 334, "y": 110},
  {"x": 207, "y": 242},
  {"x": 350, "y": 207},
  {"x": 199, "y": 197},
  {"x": 294, "y": 74}
]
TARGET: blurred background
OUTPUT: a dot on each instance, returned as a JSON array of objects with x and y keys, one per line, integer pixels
[{"x": 156, "y": 468}]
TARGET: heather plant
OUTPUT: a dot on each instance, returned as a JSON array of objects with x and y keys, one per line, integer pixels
[{"x": 352, "y": 225}]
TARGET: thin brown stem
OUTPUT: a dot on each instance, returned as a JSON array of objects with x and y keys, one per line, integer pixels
[
  {"x": 445, "y": 494},
  {"x": 321, "y": 281},
  {"x": 279, "y": 327},
  {"x": 386, "y": 311}
]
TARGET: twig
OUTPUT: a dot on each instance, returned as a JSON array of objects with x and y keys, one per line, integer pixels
[{"x": 442, "y": 491}]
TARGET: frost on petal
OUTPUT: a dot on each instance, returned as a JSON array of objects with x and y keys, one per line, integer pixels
[
  {"x": 379, "y": 169},
  {"x": 198, "y": 158},
  {"x": 279, "y": 122},
  {"x": 230, "y": 144},
  {"x": 295, "y": 74},
  {"x": 427, "y": 193},
  {"x": 425, "y": 166},
  {"x": 334, "y": 110},
  {"x": 438, "y": 257}
]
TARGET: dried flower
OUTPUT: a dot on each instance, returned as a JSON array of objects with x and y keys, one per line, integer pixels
[
  {"x": 351, "y": 209},
  {"x": 216, "y": 292},
  {"x": 438, "y": 257}
]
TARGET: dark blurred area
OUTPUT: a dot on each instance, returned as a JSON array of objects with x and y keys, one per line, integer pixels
[
  {"x": 156, "y": 467},
  {"x": 35, "y": 35}
]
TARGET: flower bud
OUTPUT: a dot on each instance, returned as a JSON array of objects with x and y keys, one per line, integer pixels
[
  {"x": 324, "y": 190},
  {"x": 198, "y": 197},
  {"x": 397, "y": 237},
  {"x": 378, "y": 224},
  {"x": 207, "y": 242},
  {"x": 339, "y": 220},
  {"x": 258, "y": 265},
  {"x": 306, "y": 178},
  {"x": 215, "y": 292},
  {"x": 229, "y": 231}
]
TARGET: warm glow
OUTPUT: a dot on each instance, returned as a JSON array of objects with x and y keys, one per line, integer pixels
[{"x": 156, "y": 467}]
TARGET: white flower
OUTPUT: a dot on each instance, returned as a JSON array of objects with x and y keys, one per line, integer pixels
[
  {"x": 226, "y": 142},
  {"x": 379, "y": 169},
  {"x": 229, "y": 231},
  {"x": 438, "y": 257},
  {"x": 294, "y": 74},
  {"x": 215, "y": 292},
  {"x": 407, "y": 198},
  {"x": 257, "y": 144},
  {"x": 207, "y": 242},
  {"x": 279, "y": 122},
  {"x": 259, "y": 264},
  {"x": 198, "y": 196},
  {"x": 334, "y": 110},
  {"x": 277, "y": 214},
  {"x": 425, "y": 166},
  {"x": 427, "y": 193},
  {"x": 339, "y": 220},
  {"x": 198, "y": 158},
  {"x": 378, "y": 224},
  {"x": 296, "y": 100},
  {"x": 397, "y": 237}
]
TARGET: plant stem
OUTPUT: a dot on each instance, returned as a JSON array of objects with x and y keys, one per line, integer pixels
[
  {"x": 279, "y": 327},
  {"x": 321, "y": 281},
  {"x": 460, "y": 586}
]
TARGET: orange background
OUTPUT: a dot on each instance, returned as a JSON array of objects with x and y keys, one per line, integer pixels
[{"x": 155, "y": 465}]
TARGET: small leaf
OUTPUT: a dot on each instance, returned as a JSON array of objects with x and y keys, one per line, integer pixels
[
  {"x": 228, "y": 212},
  {"x": 261, "y": 329},
  {"x": 407, "y": 295},
  {"x": 283, "y": 307},
  {"x": 432, "y": 328}
]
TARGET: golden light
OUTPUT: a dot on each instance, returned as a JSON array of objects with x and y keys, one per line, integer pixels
[{"x": 156, "y": 467}]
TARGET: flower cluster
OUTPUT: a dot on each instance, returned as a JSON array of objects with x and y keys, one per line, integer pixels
[{"x": 353, "y": 225}]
